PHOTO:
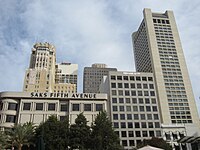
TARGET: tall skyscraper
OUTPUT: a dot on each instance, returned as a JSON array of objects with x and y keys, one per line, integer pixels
[
  {"x": 93, "y": 76},
  {"x": 44, "y": 75},
  {"x": 157, "y": 49}
]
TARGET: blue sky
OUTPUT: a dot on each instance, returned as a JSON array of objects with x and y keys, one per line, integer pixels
[{"x": 87, "y": 32}]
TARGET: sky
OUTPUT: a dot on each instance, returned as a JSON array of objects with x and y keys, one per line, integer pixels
[{"x": 86, "y": 32}]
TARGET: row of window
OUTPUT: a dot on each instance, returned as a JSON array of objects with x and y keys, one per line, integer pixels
[
  {"x": 135, "y": 116},
  {"x": 134, "y": 100},
  {"x": 137, "y": 134},
  {"x": 132, "y": 85},
  {"x": 136, "y": 125},
  {"x": 52, "y": 107},
  {"x": 132, "y": 93},
  {"x": 131, "y": 78},
  {"x": 129, "y": 108}
]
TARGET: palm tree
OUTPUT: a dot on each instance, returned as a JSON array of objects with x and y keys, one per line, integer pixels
[{"x": 22, "y": 135}]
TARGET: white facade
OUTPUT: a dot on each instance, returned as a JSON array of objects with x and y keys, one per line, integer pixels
[{"x": 36, "y": 107}]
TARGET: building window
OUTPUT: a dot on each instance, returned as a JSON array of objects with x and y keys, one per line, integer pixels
[
  {"x": 10, "y": 118},
  {"x": 126, "y": 85},
  {"x": 122, "y": 116},
  {"x": 87, "y": 107},
  {"x": 145, "y": 86},
  {"x": 132, "y": 85},
  {"x": 119, "y": 85},
  {"x": 150, "y": 124},
  {"x": 123, "y": 133},
  {"x": 27, "y": 106},
  {"x": 115, "y": 116},
  {"x": 152, "y": 93},
  {"x": 144, "y": 134},
  {"x": 154, "y": 108},
  {"x": 63, "y": 107},
  {"x": 124, "y": 143},
  {"x": 75, "y": 107},
  {"x": 51, "y": 107},
  {"x": 132, "y": 78},
  {"x": 120, "y": 92},
  {"x": 139, "y": 86},
  {"x": 39, "y": 106},
  {"x": 121, "y": 108},
  {"x": 121, "y": 100},
  {"x": 113, "y": 78},
  {"x": 99, "y": 107},
  {"x": 131, "y": 143},
  {"x": 142, "y": 116},
  {"x": 144, "y": 125},
  {"x": 137, "y": 125},
  {"x": 155, "y": 116},
  {"x": 137, "y": 133},
  {"x": 128, "y": 108},
  {"x": 151, "y": 86},
  {"x": 123, "y": 125},
  {"x": 62, "y": 118},
  {"x": 133, "y": 93},
  {"x": 141, "y": 108},
  {"x": 136, "y": 116},
  {"x": 138, "y": 79},
  {"x": 113, "y": 85},
  {"x": 148, "y": 108},
  {"x": 115, "y": 108},
  {"x": 119, "y": 77},
  {"x": 139, "y": 93},
  {"x": 130, "y": 134},
  {"x": 127, "y": 93},
  {"x": 116, "y": 125},
  {"x": 12, "y": 106},
  {"x": 157, "y": 125},
  {"x": 114, "y": 100},
  {"x": 130, "y": 125},
  {"x": 129, "y": 116},
  {"x": 150, "y": 79},
  {"x": 135, "y": 108},
  {"x": 114, "y": 92}
]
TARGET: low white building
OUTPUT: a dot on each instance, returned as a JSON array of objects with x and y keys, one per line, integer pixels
[{"x": 21, "y": 107}]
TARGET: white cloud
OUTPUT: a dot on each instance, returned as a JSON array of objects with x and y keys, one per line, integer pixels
[{"x": 86, "y": 32}]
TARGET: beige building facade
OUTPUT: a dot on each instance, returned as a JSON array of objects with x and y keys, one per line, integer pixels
[{"x": 157, "y": 49}]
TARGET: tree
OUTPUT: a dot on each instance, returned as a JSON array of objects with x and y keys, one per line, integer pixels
[
  {"x": 103, "y": 135},
  {"x": 21, "y": 134},
  {"x": 80, "y": 133},
  {"x": 53, "y": 134},
  {"x": 3, "y": 140},
  {"x": 155, "y": 142}
]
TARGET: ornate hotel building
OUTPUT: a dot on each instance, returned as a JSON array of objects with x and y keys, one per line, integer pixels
[{"x": 44, "y": 75}]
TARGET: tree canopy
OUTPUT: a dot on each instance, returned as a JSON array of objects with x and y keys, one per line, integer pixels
[{"x": 103, "y": 135}]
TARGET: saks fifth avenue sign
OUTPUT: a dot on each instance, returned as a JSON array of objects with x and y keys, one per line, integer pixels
[{"x": 63, "y": 95}]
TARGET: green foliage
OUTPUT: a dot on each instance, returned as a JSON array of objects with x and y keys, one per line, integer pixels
[
  {"x": 53, "y": 134},
  {"x": 155, "y": 142},
  {"x": 103, "y": 135},
  {"x": 21, "y": 135},
  {"x": 3, "y": 140},
  {"x": 80, "y": 133}
]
